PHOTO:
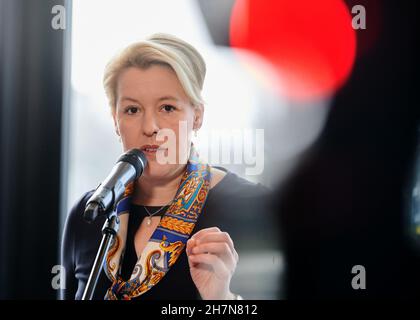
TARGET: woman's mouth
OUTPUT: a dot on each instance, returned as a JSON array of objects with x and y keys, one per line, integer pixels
[{"x": 151, "y": 149}]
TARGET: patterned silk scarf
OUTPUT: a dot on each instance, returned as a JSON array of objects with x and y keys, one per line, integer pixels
[{"x": 168, "y": 240}]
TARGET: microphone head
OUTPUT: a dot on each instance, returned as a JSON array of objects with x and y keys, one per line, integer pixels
[{"x": 136, "y": 158}]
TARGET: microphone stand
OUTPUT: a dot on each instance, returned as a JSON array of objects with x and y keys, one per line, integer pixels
[{"x": 109, "y": 230}]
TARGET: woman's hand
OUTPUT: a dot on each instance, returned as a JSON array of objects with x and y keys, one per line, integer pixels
[{"x": 212, "y": 259}]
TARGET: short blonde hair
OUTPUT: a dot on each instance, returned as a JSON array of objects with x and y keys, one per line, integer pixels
[{"x": 159, "y": 49}]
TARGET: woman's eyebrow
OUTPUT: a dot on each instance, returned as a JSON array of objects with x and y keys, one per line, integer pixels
[
  {"x": 158, "y": 100},
  {"x": 167, "y": 98},
  {"x": 129, "y": 99}
]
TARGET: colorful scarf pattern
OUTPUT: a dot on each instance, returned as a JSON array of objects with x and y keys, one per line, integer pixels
[{"x": 168, "y": 240}]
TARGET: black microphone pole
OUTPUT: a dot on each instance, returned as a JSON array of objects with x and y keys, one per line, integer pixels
[{"x": 109, "y": 231}]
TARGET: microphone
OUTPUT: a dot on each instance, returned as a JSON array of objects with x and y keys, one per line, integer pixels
[{"x": 129, "y": 167}]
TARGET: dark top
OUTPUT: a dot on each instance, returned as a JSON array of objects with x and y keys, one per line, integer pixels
[{"x": 234, "y": 205}]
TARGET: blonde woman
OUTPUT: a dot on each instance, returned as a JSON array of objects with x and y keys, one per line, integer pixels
[{"x": 172, "y": 243}]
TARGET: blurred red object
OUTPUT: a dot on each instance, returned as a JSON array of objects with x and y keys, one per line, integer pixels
[{"x": 311, "y": 45}]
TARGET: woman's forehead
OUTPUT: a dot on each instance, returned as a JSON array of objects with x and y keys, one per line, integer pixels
[{"x": 155, "y": 83}]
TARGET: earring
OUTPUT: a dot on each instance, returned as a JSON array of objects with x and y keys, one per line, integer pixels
[{"x": 195, "y": 133}]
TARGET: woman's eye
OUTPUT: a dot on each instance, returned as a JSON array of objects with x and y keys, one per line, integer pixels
[
  {"x": 131, "y": 110},
  {"x": 168, "y": 108}
]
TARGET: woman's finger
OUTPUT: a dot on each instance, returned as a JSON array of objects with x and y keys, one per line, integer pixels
[
  {"x": 202, "y": 232},
  {"x": 219, "y": 237},
  {"x": 213, "y": 261},
  {"x": 221, "y": 249},
  {"x": 190, "y": 244},
  {"x": 212, "y": 247}
]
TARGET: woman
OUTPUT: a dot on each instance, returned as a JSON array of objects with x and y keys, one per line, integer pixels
[{"x": 171, "y": 243}]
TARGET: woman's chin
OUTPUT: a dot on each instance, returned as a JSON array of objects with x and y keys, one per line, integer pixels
[{"x": 155, "y": 171}]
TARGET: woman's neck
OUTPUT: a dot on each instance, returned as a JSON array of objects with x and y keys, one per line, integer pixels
[{"x": 152, "y": 192}]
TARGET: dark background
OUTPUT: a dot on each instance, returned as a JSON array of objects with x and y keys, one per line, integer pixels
[
  {"x": 348, "y": 202},
  {"x": 345, "y": 205}
]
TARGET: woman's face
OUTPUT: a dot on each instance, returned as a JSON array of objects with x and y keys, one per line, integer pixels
[{"x": 148, "y": 101}]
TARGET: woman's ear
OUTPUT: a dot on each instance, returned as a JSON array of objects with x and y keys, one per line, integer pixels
[{"x": 198, "y": 116}]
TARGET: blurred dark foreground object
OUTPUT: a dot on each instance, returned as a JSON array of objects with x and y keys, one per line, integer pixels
[{"x": 346, "y": 204}]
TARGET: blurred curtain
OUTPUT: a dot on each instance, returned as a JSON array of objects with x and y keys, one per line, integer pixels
[{"x": 31, "y": 95}]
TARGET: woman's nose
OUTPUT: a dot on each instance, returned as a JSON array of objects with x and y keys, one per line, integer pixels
[{"x": 149, "y": 125}]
